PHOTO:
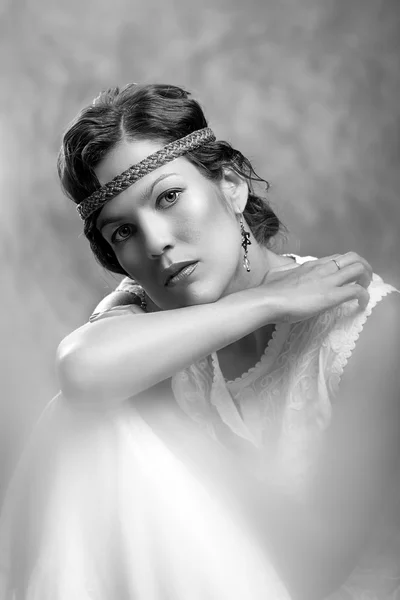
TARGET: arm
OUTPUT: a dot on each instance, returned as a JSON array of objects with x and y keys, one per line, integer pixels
[
  {"x": 318, "y": 545},
  {"x": 128, "y": 351},
  {"x": 116, "y": 357}
]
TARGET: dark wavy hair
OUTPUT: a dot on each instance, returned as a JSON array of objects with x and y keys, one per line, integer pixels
[{"x": 163, "y": 113}]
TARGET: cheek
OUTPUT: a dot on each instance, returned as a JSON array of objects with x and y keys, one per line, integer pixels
[
  {"x": 202, "y": 220},
  {"x": 188, "y": 230},
  {"x": 127, "y": 257}
]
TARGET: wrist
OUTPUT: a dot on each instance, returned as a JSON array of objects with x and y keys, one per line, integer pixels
[{"x": 255, "y": 303}]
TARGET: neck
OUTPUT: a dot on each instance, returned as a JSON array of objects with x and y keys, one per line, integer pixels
[{"x": 262, "y": 260}]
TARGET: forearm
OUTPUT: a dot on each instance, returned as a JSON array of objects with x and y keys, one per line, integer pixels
[{"x": 115, "y": 358}]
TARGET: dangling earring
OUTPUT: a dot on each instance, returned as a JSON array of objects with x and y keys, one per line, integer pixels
[{"x": 245, "y": 242}]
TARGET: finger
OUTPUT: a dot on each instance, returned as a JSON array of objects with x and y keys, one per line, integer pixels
[
  {"x": 331, "y": 263},
  {"x": 352, "y": 291},
  {"x": 328, "y": 264},
  {"x": 352, "y": 257},
  {"x": 326, "y": 259},
  {"x": 355, "y": 272},
  {"x": 325, "y": 265}
]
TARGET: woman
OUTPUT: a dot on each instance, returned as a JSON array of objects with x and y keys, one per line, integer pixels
[{"x": 269, "y": 466}]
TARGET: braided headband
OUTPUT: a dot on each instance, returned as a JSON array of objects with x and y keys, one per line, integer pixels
[{"x": 147, "y": 165}]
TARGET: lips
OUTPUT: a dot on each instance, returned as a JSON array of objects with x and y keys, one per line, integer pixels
[{"x": 174, "y": 270}]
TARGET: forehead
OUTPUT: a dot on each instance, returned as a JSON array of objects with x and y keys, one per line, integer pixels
[
  {"x": 123, "y": 156},
  {"x": 127, "y": 154}
]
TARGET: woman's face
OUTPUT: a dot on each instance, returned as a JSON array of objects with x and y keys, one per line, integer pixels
[{"x": 172, "y": 215}]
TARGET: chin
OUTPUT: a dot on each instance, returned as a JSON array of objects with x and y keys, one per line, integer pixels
[{"x": 201, "y": 291}]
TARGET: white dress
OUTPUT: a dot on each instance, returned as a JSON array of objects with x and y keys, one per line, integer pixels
[
  {"x": 280, "y": 409},
  {"x": 100, "y": 508}
]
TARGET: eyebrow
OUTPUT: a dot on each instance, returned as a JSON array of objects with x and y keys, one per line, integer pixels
[{"x": 145, "y": 194}]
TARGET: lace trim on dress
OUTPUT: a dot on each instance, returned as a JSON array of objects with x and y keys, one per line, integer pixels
[
  {"x": 291, "y": 388},
  {"x": 332, "y": 337},
  {"x": 343, "y": 341},
  {"x": 262, "y": 365}
]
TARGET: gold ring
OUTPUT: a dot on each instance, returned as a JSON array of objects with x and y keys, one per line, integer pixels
[{"x": 336, "y": 263}]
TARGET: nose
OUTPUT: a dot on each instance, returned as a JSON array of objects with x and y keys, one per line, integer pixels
[{"x": 157, "y": 235}]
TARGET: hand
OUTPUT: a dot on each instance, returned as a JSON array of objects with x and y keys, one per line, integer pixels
[{"x": 298, "y": 292}]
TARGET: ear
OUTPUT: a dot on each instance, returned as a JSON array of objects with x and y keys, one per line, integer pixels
[{"x": 235, "y": 189}]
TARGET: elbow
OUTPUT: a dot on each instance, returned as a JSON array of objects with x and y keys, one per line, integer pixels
[
  {"x": 75, "y": 374},
  {"x": 84, "y": 375}
]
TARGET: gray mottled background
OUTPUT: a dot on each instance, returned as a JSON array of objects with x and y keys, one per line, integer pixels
[{"x": 308, "y": 89}]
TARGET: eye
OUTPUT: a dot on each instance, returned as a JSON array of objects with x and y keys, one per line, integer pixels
[
  {"x": 169, "y": 198},
  {"x": 122, "y": 233}
]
